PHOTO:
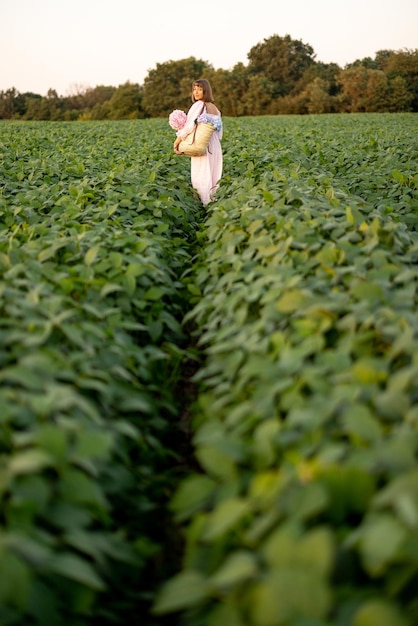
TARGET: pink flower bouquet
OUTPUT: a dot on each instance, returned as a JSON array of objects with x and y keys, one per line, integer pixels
[{"x": 177, "y": 119}]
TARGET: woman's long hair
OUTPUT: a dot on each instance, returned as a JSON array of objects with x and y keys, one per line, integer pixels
[{"x": 207, "y": 89}]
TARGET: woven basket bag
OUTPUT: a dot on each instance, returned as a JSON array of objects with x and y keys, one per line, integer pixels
[{"x": 196, "y": 142}]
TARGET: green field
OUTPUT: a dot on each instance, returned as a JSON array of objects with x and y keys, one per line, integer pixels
[{"x": 209, "y": 417}]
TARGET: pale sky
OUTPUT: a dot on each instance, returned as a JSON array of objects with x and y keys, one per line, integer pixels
[{"x": 71, "y": 44}]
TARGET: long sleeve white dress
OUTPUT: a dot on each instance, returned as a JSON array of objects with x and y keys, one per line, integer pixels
[{"x": 205, "y": 171}]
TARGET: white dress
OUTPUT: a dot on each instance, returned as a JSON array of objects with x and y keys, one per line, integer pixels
[{"x": 205, "y": 171}]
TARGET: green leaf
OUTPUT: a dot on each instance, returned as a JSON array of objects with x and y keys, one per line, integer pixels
[
  {"x": 268, "y": 196},
  {"x": 93, "y": 444},
  {"x": 359, "y": 423},
  {"x": 380, "y": 541},
  {"x": 193, "y": 494},
  {"x": 225, "y": 614},
  {"x": 183, "y": 591},
  {"x": 194, "y": 289},
  {"x": 378, "y": 612},
  {"x": 369, "y": 370},
  {"x": 392, "y": 404},
  {"x": 264, "y": 441},
  {"x": 399, "y": 176},
  {"x": 15, "y": 580},
  {"x": 287, "y": 594},
  {"x": 154, "y": 293},
  {"x": 315, "y": 550},
  {"x": 91, "y": 255},
  {"x": 291, "y": 301},
  {"x": 402, "y": 495},
  {"x": 76, "y": 487},
  {"x": 29, "y": 461},
  {"x": 225, "y": 517},
  {"x": 73, "y": 567},
  {"x": 215, "y": 462},
  {"x": 53, "y": 440},
  {"x": 22, "y": 376},
  {"x": 33, "y": 488},
  {"x": 307, "y": 501},
  {"x": 237, "y": 568},
  {"x": 368, "y": 291}
]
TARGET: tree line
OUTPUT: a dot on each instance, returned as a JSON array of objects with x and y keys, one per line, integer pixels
[{"x": 281, "y": 77}]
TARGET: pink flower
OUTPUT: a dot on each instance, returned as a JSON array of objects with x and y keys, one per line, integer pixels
[{"x": 177, "y": 119}]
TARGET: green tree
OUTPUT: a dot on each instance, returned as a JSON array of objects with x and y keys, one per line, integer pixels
[
  {"x": 49, "y": 107},
  {"x": 98, "y": 95},
  {"x": 365, "y": 90},
  {"x": 367, "y": 62},
  {"x": 169, "y": 85},
  {"x": 12, "y": 104},
  {"x": 404, "y": 63},
  {"x": 400, "y": 63},
  {"x": 30, "y": 100},
  {"x": 328, "y": 73},
  {"x": 376, "y": 91},
  {"x": 399, "y": 97},
  {"x": 296, "y": 104},
  {"x": 230, "y": 88},
  {"x": 381, "y": 59},
  {"x": 318, "y": 98},
  {"x": 33, "y": 106},
  {"x": 126, "y": 102},
  {"x": 84, "y": 99},
  {"x": 258, "y": 100},
  {"x": 282, "y": 60},
  {"x": 353, "y": 83}
]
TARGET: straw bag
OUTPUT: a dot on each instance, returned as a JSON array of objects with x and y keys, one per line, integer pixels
[{"x": 196, "y": 143}]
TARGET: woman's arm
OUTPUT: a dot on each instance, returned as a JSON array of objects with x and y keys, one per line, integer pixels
[{"x": 192, "y": 114}]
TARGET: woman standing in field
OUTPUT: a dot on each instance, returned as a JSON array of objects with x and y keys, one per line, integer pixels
[{"x": 206, "y": 170}]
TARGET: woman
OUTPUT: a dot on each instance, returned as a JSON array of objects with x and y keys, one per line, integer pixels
[{"x": 206, "y": 170}]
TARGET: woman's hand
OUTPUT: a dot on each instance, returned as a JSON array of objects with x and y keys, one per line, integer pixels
[{"x": 176, "y": 145}]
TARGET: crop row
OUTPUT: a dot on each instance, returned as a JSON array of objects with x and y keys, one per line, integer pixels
[
  {"x": 305, "y": 508},
  {"x": 92, "y": 245}
]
